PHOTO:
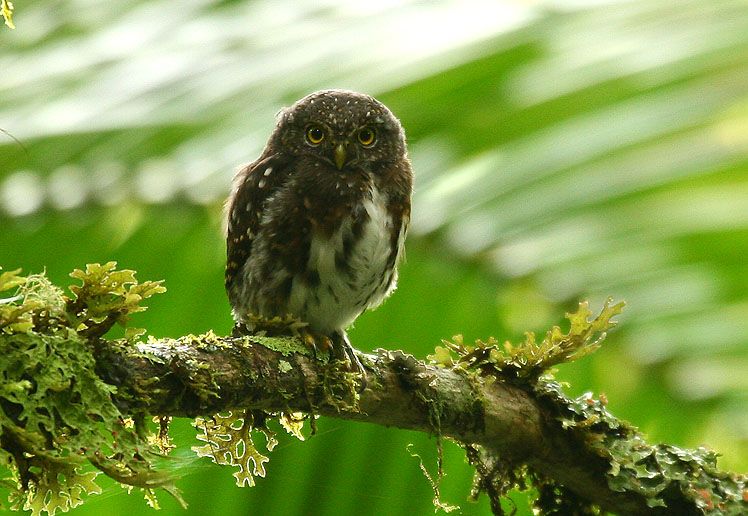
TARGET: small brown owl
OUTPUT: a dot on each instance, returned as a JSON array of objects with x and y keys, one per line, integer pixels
[{"x": 316, "y": 225}]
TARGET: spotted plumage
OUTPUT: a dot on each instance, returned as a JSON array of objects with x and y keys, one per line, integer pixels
[{"x": 316, "y": 224}]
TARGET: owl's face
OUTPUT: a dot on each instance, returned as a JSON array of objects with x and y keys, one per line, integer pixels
[{"x": 341, "y": 129}]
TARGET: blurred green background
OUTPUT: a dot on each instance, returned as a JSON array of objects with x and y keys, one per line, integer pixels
[{"x": 564, "y": 150}]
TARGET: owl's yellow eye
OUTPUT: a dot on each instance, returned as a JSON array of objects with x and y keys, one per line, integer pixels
[
  {"x": 315, "y": 134},
  {"x": 367, "y": 137}
]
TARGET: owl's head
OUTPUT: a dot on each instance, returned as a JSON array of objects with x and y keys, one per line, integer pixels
[{"x": 343, "y": 129}]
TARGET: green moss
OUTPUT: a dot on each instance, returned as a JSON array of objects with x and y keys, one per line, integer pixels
[
  {"x": 652, "y": 471},
  {"x": 656, "y": 472},
  {"x": 340, "y": 386},
  {"x": 286, "y": 346},
  {"x": 60, "y": 427},
  {"x": 58, "y": 421}
]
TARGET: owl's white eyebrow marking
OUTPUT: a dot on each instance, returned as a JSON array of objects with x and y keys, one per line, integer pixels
[{"x": 268, "y": 171}]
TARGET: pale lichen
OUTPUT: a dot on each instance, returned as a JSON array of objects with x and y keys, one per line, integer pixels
[
  {"x": 654, "y": 471},
  {"x": 285, "y": 345},
  {"x": 230, "y": 440},
  {"x": 525, "y": 362},
  {"x": 657, "y": 473},
  {"x": 6, "y": 9},
  {"x": 57, "y": 417},
  {"x": 293, "y": 423}
]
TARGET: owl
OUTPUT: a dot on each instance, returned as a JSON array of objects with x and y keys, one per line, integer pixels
[{"x": 316, "y": 224}]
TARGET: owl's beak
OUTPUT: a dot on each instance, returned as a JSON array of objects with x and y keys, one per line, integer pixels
[{"x": 340, "y": 155}]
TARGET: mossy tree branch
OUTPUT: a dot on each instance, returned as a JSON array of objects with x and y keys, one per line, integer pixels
[
  {"x": 511, "y": 425},
  {"x": 72, "y": 399}
]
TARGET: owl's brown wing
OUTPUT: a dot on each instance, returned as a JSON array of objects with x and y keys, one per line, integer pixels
[{"x": 251, "y": 189}]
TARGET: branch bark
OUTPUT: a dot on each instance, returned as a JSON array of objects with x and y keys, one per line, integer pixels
[
  {"x": 514, "y": 423},
  {"x": 208, "y": 374}
]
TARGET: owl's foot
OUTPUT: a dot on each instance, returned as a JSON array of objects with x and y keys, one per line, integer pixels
[
  {"x": 337, "y": 344},
  {"x": 316, "y": 341},
  {"x": 342, "y": 349},
  {"x": 339, "y": 348}
]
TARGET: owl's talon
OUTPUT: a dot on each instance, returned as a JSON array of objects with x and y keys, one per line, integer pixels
[
  {"x": 315, "y": 341},
  {"x": 309, "y": 341},
  {"x": 359, "y": 367},
  {"x": 349, "y": 354},
  {"x": 339, "y": 347}
]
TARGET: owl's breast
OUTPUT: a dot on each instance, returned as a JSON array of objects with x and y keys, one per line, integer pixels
[{"x": 350, "y": 269}]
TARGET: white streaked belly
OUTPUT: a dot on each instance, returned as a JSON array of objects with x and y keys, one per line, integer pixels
[{"x": 339, "y": 298}]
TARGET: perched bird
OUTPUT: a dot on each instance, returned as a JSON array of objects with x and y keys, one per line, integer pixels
[{"x": 316, "y": 224}]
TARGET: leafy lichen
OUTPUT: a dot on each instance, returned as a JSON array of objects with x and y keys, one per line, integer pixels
[
  {"x": 57, "y": 417},
  {"x": 6, "y": 9},
  {"x": 229, "y": 440},
  {"x": 658, "y": 473},
  {"x": 654, "y": 471},
  {"x": 525, "y": 362},
  {"x": 197, "y": 377},
  {"x": 106, "y": 297},
  {"x": 59, "y": 426},
  {"x": 293, "y": 423},
  {"x": 527, "y": 365},
  {"x": 285, "y": 345}
]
